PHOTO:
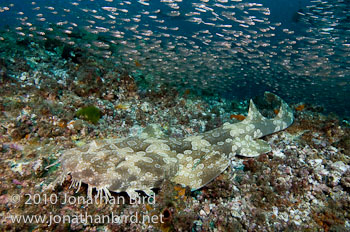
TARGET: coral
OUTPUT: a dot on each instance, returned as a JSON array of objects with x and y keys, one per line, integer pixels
[{"x": 327, "y": 220}]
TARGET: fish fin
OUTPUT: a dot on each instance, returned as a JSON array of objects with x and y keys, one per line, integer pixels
[
  {"x": 253, "y": 148},
  {"x": 266, "y": 126},
  {"x": 200, "y": 171},
  {"x": 253, "y": 113},
  {"x": 285, "y": 113}
]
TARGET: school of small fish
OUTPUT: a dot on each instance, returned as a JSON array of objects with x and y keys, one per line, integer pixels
[
  {"x": 217, "y": 44},
  {"x": 142, "y": 163}
]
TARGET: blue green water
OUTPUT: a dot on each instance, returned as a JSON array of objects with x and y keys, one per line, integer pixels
[{"x": 296, "y": 49}]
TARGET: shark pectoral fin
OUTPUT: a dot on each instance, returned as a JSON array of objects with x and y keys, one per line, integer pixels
[
  {"x": 263, "y": 146},
  {"x": 254, "y": 148},
  {"x": 200, "y": 171}
]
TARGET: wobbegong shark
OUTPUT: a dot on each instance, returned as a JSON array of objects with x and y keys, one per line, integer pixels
[{"x": 143, "y": 163}]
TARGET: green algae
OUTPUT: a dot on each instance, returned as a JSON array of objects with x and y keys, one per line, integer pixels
[{"x": 90, "y": 113}]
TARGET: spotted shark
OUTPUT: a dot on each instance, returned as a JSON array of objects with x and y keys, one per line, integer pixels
[{"x": 143, "y": 163}]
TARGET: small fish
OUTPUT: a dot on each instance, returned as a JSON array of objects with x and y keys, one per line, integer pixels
[
  {"x": 235, "y": 39},
  {"x": 237, "y": 116},
  {"x": 300, "y": 107},
  {"x": 138, "y": 64}
]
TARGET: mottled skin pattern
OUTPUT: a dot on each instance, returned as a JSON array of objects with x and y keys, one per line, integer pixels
[{"x": 143, "y": 163}]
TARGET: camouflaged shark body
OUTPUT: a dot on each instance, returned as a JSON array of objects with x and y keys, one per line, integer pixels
[{"x": 143, "y": 163}]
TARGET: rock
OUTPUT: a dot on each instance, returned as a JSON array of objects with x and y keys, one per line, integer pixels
[{"x": 340, "y": 167}]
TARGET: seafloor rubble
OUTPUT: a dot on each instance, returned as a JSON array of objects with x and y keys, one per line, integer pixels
[{"x": 303, "y": 184}]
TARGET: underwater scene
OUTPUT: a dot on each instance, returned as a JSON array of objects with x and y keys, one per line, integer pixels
[{"x": 175, "y": 115}]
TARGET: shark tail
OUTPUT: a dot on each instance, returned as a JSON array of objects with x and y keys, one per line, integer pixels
[{"x": 266, "y": 126}]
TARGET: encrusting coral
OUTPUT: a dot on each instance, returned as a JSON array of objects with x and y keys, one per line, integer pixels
[{"x": 142, "y": 163}]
